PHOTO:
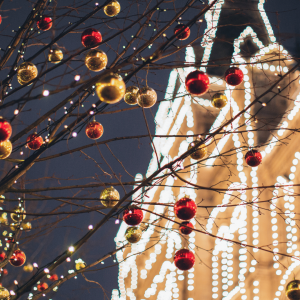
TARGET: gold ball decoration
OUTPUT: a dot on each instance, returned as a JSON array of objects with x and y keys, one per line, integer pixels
[
  {"x": 200, "y": 152},
  {"x": 79, "y": 264},
  {"x": 111, "y": 88},
  {"x": 26, "y": 226},
  {"x": 147, "y": 97},
  {"x": 292, "y": 290},
  {"x": 95, "y": 60},
  {"x": 5, "y": 149},
  {"x": 55, "y": 56},
  {"x": 133, "y": 234},
  {"x": 16, "y": 217},
  {"x": 109, "y": 197},
  {"x": 2, "y": 198},
  {"x": 28, "y": 268},
  {"x": 27, "y": 71},
  {"x": 3, "y": 219},
  {"x": 112, "y": 9},
  {"x": 219, "y": 100},
  {"x": 4, "y": 293},
  {"x": 131, "y": 95}
]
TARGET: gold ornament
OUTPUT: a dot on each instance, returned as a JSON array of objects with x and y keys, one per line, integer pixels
[
  {"x": 4, "y": 293},
  {"x": 28, "y": 268},
  {"x": 131, "y": 95},
  {"x": 55, "y": 56},
  {"x": 16, "y": 217},
  {"x": 111, "y": 88},
  {"x": 79, "y": 264},
  {"x": 5, "y": 149},
  {"x": 26, "y": 226},
  {"x": 95, "y": 60},
  {"x": 147, "y": 97},
  {"x": 27, "y": 71},
  {"x": 2, "y": 198},
  {"x": 133, "y": 234},
  {"x": 292, "y": 290},
  {"x": 219, "y": 100},
  {"x": 112, "y": 9},
  {"x": 109, "y": 197},
  {"x": 3, "y": 219},
  {"x": 200, "y": 152}
]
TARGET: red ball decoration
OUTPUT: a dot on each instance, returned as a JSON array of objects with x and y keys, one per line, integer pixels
[
  {"x": 133, "y": 216},
  {"x": 5, "y": 130},
  {"x": 90, "y": 38},
  {"x": 94, "y": 130},
  {"x": 197, "y": 83},
  {"x": 184, "y": 259},
  {"x": 4, "y": 272},
  {"x": 2, "y": 256},
  {"x": 185, "y": 208},
  {"x": 0, "y": 19},
  {"x": 234, "y": 76},
  {"x": 253, "y": 158},
  {"x": 42, "y": 286},
  {"x": 44, "y": 23},
  {"x": 18, "y": 258},
  {"x": 185, "y": 33},
  {"x": 34, "y": 142},
  {"x": 53, "y": 277},
  {"x": 186, "y": 228}
]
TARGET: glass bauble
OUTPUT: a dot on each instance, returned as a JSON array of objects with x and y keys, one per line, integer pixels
[
  {"x": 253, "y": 158},
  {"x": 186, "y": 228},
  {"x": 28, "y": 268},
  {"x": 197, "y": 83},
  {"x": 94, "y": 130},
  {"x": 185, "y": 33},
  {"x": 96, "y": 60},
  {"x": 292, "y": 290},
  {"x": 200, "y": 152},
  {"x": 234, "y": 76},
  {"x": 16, "y": 217},
  {"x": 5, "y": 149},
  {"x": 133, "y": 234},
  {"x": 2, "y": 256},
  {"x": 5, "y": 130},
  {"x": 53, "y": 277},
  {"x": 42, "y": 286},
  {"x": 55, "y": 56},
  {"x": 109, "y": 197},
  {"x": 18, "y": 258},
  {"x": 4, "y": 293},
  {"x": 147, "y": 97},
  {"x": 44, "y": 23},
  {"x": 131, "y": 95},
  {"x": 184, "y": 259},
  {"x": 219, "y": 100},
  {"x": 185, "y": 209},
  {"x": 112, "y": 8},
  {"x": 133, "y": 216},
  {"x": 27, "y": 71},
  {"x": 90, "y": 38},
  {"x": 111, "y": 88},
  {"x": 34, "y": 141}
]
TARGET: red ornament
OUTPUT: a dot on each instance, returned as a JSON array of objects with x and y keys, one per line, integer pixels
[
  {"x": 0, "y": 19},
  {"x": 185, "y": 33},
  {"x": 90, "y": 38},
  {"x": 185, "y": 230},
  {"x": 34, "y": 142},
  {"x": 4, "y": 271},
  {"x": 133, "y": 216},
  {"x": 53, "y": 277},
  {"x": 44, "y": 23},
  {"x": 253, "y": 158},
  {"x": 94, "y": 130},
  {"x": 184, "y": 259},
  {"x": 197, "y": 83},
  {"x": 5, "y": 130},
  {"x": 42, "y": 286},
  {"x": 234, "y": 76},
  {"x": 185, "y": 209},
  {"x": 18, "y": 258},
  {"x": 2, "y": 256}
]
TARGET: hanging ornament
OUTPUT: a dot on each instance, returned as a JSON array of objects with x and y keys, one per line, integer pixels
[
  {"x": 219, "y": 100},
  {"x": 27, "y": 71},
  {"x": 53, "y": 277},
  {"x": 34, "y": 141},
  {"x": 3, "y": 219},
  {"x": 234, "y": 76},
  {"x": 131, "y": 95},
  {"x": 292, "y": 290},
  {"x": 95, "y": 60},
  {"x": 200, "y": 152},
  {"x": 5, "y": 130},
  {"x": 42, "y": 286},
  {"x": 185, "y": 208},
  {"x": 197, "y": 83},
  {"x": 0, "y": 19},
  {"x": 4, "y": 293},
  {"x": 94, "y": 130},
  {"x": 5, "y": 149},
  {"x": 79, "y": 264},
  {"x": 44, "y": 23},
  {"x": 16, "y": 217},
  {"x": 111, "y": 88},
  {"x": 133, "y": 234},
  {"x": 112, "y": 9},
  {"x": 90, "y": 38},
  {"x": 185, "y": 33},
  {"x": 26, "y": 226},
  {"x": 184, "y": 259},
  {"x": 55, "y": 56},
  {"x": 186, "y": 228},
  {"x": 18, "y": 258},
  {"x": 109, "y": 197},
  {"x": 2, "y": 256},
  {"x": 28, "y": 268},
  {"x": 253, "y": 158},
  {"x": 133, "y": 215},
  {"x": 147, "y": 97}
]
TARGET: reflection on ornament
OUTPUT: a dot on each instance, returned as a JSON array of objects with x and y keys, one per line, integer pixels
[
  {"x": 185, "y": 33},
  {"x": 186, "y": 228},
  {"x": 184, "y": 259},
  {"x": 79, "y": 264},
  {"x": 133, "y": 234},
  {"x": 133, "y": 215},
  {"x": 111, "y": 88},
  {"x": 96, "y": 60},
  {"x": 90, "y": 38},
  {"x": 34, "y": 141},
  {"x": 131, "y": 95},
  {"x": 292, "y": 290},
  {"x": 219, "y": 100},
  {"x": 18, "y": 258},
  {"x": 42, "y": 286},
  {"x": 200, "y": 152},
  {"x": 234, "y": 76},
  {"x": 16, "y": 217},
  {"x": 112, "y": 9},
  {"x": 147, "y": 97},
  {"x": 5, "y": 130},
  {"x": 185, "y": 208},
  {"x": 27, "y": 71},
  {"x": 53, "y": 277},
  {"x": 55, "y": 56},
  {"x": 28, "y": 268},
  {"x": 5, "y": 149},
  {"x": 109, "y": 197},
  {"x": 197, "y": 83},
  {"x": 2, "y": 256},
  {"x": 253, "y": 158},
  {"x": 44, "y": 23},
  {"x": 94, "y": 130},
  {"x": 4, "y": 293}
]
